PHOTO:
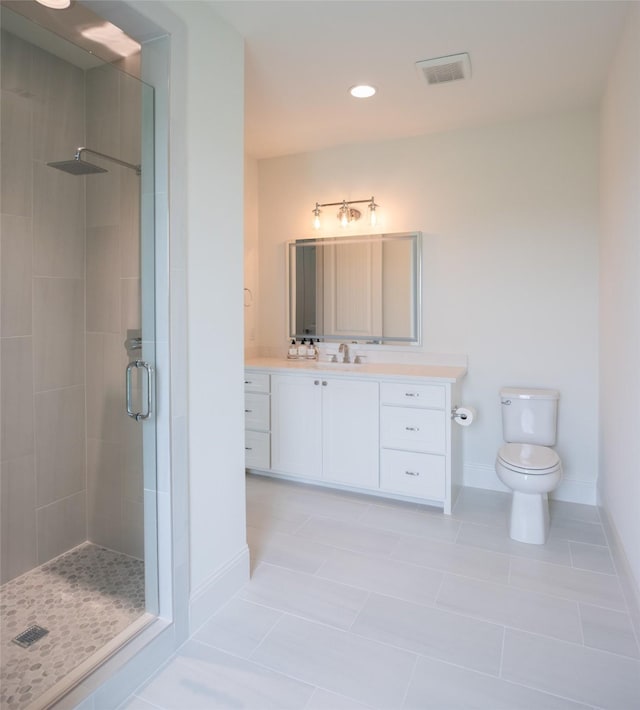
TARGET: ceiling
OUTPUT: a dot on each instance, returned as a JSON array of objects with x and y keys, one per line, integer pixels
[{"x": 527, "y": 58}]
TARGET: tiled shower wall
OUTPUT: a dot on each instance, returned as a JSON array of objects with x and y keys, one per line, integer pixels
[
  {"x": 43, "y": 255},
  {"x": 68, "y": 473}
]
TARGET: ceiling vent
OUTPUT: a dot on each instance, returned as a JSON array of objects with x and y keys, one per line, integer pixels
[{"x": 443, "y": 70}]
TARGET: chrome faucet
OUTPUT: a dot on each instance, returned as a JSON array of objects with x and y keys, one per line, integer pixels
[{"x": 344, "y": 348}]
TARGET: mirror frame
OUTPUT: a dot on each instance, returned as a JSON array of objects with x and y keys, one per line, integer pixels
[{"x": 415, "y": 274}]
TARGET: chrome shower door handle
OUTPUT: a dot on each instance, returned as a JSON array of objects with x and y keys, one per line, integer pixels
[
  {"x": 148, "y": 370},
  {"x": 135, "y": 365}
]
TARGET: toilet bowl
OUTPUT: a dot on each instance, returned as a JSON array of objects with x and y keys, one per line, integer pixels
[{"x": 531, "y": 472}]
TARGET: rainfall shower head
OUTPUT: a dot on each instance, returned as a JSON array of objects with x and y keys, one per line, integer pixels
[{"x": 78, "y": 166}]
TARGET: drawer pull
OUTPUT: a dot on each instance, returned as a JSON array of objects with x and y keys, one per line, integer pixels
[
  {"x": 412, "y": 428},
  {"x": 248, "y": 382},
  {"x": 248, "y": 448},
  {"x": 412, "y": 394},
  {"x": 412, "y": 473},
  {"x": 248, "y": 411}
]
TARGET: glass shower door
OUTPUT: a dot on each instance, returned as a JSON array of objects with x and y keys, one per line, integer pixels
[{"x": 120, "y": 321}]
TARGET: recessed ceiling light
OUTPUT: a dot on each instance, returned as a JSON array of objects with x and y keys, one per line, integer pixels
[
  {"x": 112, "y": 37},
  {"x": 55, "y": 4},
  {"x": 362, "y": 91}
]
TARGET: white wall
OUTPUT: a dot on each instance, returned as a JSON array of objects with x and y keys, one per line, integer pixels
[
  {"x": 619, "y": 482},
  {"x": 509, "y": 215},
  {"x": 214, "y": 185}
]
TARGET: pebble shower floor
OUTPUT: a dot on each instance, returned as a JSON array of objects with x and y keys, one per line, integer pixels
[{"x": 84, "y": 598}]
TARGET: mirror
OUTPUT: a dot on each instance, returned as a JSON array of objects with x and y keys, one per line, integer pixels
[{"x": 364, "y": 288}]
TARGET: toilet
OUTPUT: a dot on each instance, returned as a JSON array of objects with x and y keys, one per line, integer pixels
[{"x": 526, "y": 464}]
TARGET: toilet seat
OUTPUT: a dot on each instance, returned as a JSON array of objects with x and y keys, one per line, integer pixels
[{"x": 529, "y": 458}]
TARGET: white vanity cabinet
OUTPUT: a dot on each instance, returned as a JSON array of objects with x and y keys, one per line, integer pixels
[
  {"x": 325, "y": 428},
  {"x": 257, "y": 419},
  {"x": 381, "y": 429}
]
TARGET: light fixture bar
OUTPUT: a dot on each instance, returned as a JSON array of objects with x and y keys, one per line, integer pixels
[
  {"x": 343, "y": 202},
  {"x": 346, "y": 213}
]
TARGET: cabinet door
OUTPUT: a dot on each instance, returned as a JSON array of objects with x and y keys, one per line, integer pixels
[
  {"x": 350, "y": 432},
  {"x": 296, "y": 425}
]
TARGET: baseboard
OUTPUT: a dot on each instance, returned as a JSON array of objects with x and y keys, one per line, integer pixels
[
  {"x": 576, "y": 491},
  {"x": 630, "y": 586},
  {"x": 477, "y": 475},
  {"x": 218, "y": 589}
]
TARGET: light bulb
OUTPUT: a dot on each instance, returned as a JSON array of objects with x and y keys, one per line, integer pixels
[
  {"x": 373, "y": 217},
  {"x": 344, "y": 215},
  {"x": 316, "y": 217}
]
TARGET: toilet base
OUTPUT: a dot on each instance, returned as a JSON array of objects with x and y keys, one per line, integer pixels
[{"x": 529, "y": 520}]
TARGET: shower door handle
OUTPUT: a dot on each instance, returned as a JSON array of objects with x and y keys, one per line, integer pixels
[{"x": 135, "y": 365}]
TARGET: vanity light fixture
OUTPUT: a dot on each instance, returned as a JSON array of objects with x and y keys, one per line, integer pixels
[{"x": 346, "y": 213}]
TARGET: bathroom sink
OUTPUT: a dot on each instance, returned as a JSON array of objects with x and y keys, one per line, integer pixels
[{"x": 336, "y": 365}]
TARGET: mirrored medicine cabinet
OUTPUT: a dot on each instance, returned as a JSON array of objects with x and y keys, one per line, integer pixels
[{"x": 363, "y": 288}]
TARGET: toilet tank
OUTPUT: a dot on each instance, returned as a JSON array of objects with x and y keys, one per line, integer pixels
[{"x": 529, "y": 416}]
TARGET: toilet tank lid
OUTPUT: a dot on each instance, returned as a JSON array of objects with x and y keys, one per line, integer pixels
[{"x": 528, "y": 393}]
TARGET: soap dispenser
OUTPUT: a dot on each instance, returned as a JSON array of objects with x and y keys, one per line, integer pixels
[
  {"x": 292, "y": 353},
  {"x": 312, "y": 351},
  {"x": 302, "y": 348}
]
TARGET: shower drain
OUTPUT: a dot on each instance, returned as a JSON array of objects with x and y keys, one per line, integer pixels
[{"x": 29, "y": 636}]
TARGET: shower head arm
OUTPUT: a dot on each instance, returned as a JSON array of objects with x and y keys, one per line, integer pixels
[{"x": 81, "y": 150}]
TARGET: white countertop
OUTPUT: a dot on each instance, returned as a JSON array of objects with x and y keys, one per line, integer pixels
[{"x": 370, "y": 369}]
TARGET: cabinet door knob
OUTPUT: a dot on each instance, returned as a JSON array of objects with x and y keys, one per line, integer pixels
[
  {"x": 324, "y": 383},
  {"x": 412, "y": 473},
  {"x": 316, "y": 382}
]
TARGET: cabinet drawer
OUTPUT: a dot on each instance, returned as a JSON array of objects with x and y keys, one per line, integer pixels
[
  {"x": 412, "y": 395},
  {"x": 412, "y": 474},
  {"x": 413, "y": 429},
  {"x": 256, "y": 382},
  {"x": 256, "y": 411},
  {"x": 257, "y": 452}
]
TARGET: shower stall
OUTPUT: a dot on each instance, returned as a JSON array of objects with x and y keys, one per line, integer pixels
[{"x": 78, "y": 477}]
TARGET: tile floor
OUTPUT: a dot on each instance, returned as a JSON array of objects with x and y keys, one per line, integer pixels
[
  {"x": 84, "y": 598},
  {"x": 359, "y": 602}
]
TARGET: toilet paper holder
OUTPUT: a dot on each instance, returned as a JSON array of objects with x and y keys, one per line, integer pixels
[{"x": 464, "y": 416}]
